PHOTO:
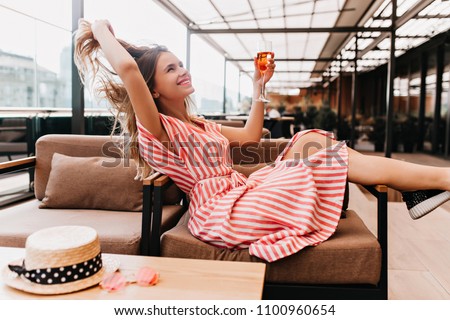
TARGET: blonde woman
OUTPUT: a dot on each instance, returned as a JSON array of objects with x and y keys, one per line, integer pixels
[{"x": 277, "y": 210}]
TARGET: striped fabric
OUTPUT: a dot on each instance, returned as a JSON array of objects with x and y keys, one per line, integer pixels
[{"x": 275, "y": 212}]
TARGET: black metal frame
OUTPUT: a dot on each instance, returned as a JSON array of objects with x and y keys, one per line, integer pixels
[
  {"x": 347, "y": 29},
  {"x": 155, "y": 219},
  {"x": 78, "y": 125},
  {"x": 18, "y": 165},
  {"x": 160, "y": 185},
  {"x": 146, "y": 217},
  {"x": 147, "y": 207},
  {"x": 286, "y": 291},
  {"x": 438, "y": 98}
]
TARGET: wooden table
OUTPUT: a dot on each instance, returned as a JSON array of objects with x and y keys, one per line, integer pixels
[{"x": 180, "y": 279}]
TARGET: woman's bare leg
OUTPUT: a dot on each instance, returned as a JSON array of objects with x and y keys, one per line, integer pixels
[
  {"x": 370, "y": 170},
  {"x": 400, "y": 175}
]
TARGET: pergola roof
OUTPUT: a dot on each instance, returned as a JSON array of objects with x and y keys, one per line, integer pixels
[{"x": 312, "y": 39}]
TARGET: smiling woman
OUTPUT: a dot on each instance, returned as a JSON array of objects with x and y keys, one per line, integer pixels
[{"x": 276, "y": 211}]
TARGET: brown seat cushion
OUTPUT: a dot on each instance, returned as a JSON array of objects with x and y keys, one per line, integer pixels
[
  {"x": 351, "y": 256},
  {"x": 119, "y": 231}
]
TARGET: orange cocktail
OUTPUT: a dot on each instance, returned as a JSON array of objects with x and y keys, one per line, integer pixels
[{"x": 262, "y": 59}]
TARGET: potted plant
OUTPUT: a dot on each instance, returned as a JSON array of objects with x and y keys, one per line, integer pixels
[
  {"x": 310, "y": 115},
  {"x": 409, "y": 133},
  {"x": 378, "y": 134},
  {"x": 325, "y": 119}
]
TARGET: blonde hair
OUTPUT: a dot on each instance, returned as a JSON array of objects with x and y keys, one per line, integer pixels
[{"x": 105, "y": 84}]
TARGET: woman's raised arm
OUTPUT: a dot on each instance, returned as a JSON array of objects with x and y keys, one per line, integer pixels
[
  {"x": 126, "y": 67},
  {"x": 253, "y": 127}
]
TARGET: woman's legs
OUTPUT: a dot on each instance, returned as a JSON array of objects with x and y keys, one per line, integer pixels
[
  {"x": 396, "y": 174},
  {"x": 370, "y": 170}
]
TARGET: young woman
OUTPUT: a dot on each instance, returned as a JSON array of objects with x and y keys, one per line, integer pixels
[{"x": 277, "y": 210}]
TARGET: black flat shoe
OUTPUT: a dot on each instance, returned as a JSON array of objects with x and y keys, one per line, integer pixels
[{"x": 422, "y": 202}]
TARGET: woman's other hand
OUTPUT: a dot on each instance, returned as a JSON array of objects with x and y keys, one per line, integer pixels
[{"x": 257, "y": 76}]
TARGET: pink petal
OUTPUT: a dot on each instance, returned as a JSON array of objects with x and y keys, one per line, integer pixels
[
  {"x": 113, "y": 282},
  {"x": 146, "y": 277}
]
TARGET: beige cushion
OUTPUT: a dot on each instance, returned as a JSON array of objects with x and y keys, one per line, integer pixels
[
  {"x": 70, "y": 145},
  {"x": 351, "y": 256},
  {"x": 92, "y": 183},
  {"x": 119, "y": 232}
]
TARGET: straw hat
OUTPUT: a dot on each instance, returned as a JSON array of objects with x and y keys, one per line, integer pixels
[{"x": 59, "y": 260}]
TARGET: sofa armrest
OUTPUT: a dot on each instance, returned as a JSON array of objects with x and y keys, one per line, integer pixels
[
  {"x": 380, "y": 192},
  {"x": 161, "y": 184},
  {"x": 15, "y": 165},
  {"x": 147, "y": 206}
]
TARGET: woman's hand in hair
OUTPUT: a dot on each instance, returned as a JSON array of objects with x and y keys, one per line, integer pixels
[{"x": 98, "y": 25}]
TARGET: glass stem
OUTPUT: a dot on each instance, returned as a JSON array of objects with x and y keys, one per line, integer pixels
[{"x": 263, "y": 86}]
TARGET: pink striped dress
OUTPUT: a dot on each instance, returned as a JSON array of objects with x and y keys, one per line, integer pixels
[{"x": 275, "y": 212}]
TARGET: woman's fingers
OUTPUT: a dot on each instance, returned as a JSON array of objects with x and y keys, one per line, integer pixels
[
  {"x": 268, "y": 73},
  {"x": 271, "y": 64},
  {"x": 270, "y": 70},
  {"x": 110, "y": 28},
  {"x": 99, "y": 24}
]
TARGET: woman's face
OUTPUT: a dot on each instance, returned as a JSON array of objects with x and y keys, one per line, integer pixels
[{"x": 172, "y": 80}]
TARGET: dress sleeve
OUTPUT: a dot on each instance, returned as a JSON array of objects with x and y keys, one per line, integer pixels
[{"x": 143, "y": 132}]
